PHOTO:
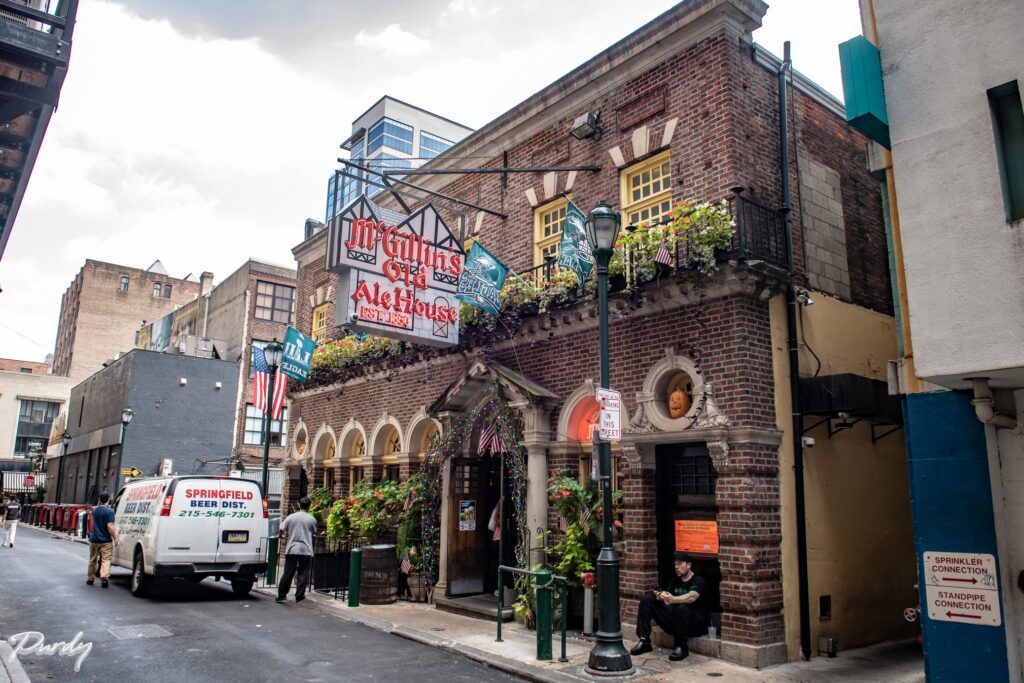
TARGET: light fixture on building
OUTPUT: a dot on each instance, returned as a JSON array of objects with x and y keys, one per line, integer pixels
[
  {"x": 804, "y": 297},
  {"x": 126, "y": 416},
  {"x": 217, "y": 385},
  {"x": 603, "y": 228},
  {"x": 586, "y": 126},
  {"x": 183, "y": 381}
]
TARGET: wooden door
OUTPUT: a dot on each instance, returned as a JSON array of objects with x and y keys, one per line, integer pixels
[{"x": 467, "y": 550}]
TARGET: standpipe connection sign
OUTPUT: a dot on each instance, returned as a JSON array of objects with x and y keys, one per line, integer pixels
[{"x": 962, "y": 587}]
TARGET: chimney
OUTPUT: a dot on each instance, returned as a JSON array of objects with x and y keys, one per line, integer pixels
[
  {"x": 205, "y": 283},
  {"x": 313, "y": 226}
]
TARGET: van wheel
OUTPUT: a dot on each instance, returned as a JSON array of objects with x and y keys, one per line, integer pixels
[
  {"x": 241, "y": 587},
  {"x": 140, "y": 583}
]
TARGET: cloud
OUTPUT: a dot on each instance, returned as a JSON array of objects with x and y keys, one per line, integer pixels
[{"x": 393, "y": 40}]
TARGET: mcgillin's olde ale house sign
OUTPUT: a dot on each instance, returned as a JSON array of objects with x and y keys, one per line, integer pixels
[{"x": 397, "y": 275}]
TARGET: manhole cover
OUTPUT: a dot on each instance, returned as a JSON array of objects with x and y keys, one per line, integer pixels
[{"x": 139, "y": 631}]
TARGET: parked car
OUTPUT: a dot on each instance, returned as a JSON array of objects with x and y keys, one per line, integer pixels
[{"x": 191, "y": 527}]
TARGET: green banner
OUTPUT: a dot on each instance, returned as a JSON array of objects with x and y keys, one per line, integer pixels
[
  {"x": 574, "y": 250},
  {"x": 298, "y": 352}
]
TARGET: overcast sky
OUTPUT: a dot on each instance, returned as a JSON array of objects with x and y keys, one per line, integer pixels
[{"x": 202, "y": 133}]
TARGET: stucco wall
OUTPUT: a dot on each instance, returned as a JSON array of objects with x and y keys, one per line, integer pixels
[
  {"x": 963, "y": 261},
  {"x": 15, "y": 384},
  {"x": 859, "y": 535}
]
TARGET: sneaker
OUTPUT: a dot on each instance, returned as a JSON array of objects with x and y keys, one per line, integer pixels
[
  {"x": 300, "y": 599},
  {"x": 679, "y": 654},
  {"x": 281, "y": 600},
  {"x": 104, "y": 583},
  {"x": 89, "y": 582},
  {"x": 642, "y": 647}
]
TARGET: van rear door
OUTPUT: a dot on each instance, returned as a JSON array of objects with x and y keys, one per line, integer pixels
[
  {"x": 243, "y": 527},
  {"x": 192, "y": 530}
]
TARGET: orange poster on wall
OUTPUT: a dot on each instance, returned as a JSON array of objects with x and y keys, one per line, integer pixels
[{"x": 697, "y": 536}]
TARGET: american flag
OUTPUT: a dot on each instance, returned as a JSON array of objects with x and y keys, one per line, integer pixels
[
  {"x": 261, "y": 375},
  {"x": 664, "y": 256},
  {"x": 490, "y": 440}
]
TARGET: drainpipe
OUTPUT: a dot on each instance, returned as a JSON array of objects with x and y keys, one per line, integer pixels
[
  {"x": 985, "y": 406},
  {"x": 794, "y": 365}
]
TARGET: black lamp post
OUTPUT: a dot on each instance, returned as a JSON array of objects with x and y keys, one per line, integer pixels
[
  {"x": 126, "y": 418},
  {"x": 272, "y": 354},
  {"x": 65, "y": 439},
  {"x": 609, "y": 656}
]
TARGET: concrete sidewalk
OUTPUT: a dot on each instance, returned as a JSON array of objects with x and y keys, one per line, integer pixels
[{"x": 475, "y": 638}]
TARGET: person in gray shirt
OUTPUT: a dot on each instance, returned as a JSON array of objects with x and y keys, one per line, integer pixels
[{"x": 297, "y": 533}]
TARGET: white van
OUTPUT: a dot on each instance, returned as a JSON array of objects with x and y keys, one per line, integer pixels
[{"x": 191, "y": 527}]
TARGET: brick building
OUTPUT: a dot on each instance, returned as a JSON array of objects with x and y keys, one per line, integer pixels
[
  {"x": 253, "y": 305},
  {"x": 103, "y": 308},
  {"x": 689, "y": 110}
]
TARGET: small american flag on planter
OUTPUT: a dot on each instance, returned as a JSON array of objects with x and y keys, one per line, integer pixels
[{"x": 664, "y": 256}]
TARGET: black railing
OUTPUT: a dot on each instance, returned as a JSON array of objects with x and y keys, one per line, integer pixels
[
  {"x": 760, "y": 230},
  {"x": 331, "y": 558}
]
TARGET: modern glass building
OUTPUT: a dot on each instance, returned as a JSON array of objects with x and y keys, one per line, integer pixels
[{"x": 390, "y": 135}]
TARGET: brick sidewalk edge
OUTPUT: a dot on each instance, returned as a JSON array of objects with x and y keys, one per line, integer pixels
[{"x": 510, "y": 666}]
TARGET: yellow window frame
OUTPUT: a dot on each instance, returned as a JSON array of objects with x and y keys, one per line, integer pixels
[
  {"x": 319, "y": 331},
  {"x": 646, "y": 190},
  {"x": 548, "y": 220}
]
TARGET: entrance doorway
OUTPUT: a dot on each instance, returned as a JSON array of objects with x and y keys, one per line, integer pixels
[
  {"x": 687, "y": 514},
  {"x": 472, "y": 555}
]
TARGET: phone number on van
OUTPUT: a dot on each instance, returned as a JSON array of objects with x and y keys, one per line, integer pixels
[{"x": 216, "y": 513}]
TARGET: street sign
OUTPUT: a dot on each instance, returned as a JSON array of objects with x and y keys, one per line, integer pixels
[
  {"x": 30, "y": 480},
  {"x": 610, "y": 424},
  {"x": 962, "y": 587},
  {"x": 131, "y": 472}
]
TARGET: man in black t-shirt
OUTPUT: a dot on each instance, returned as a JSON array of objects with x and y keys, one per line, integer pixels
[
  {"x": 681, "y": 610},
  {"x": 9, "y": 516}
]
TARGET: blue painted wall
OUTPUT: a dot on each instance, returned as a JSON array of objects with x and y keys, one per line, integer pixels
[{"x": 951, "y": 501}]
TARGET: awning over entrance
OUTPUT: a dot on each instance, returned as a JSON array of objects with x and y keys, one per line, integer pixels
[
  {"x": 850, "y": 398},
  {"x": 463, "y": 394}
]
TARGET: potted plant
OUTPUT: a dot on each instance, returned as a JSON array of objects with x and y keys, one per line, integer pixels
[
  {"x": 617, "y": 272},
  {"x": 576, "y": 546},
  {"x": 707, "y": 229},
  {"x": 410, "y": 533},
  {"x": 560, "y": 290},
  {"x": 522, "y": 294},
  {"x": 320, "y": 501}
]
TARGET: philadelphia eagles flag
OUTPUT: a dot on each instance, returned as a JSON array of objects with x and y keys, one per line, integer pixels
[
  {"x": 574, "y": 250},
  {"x": 482, "y": 279}
]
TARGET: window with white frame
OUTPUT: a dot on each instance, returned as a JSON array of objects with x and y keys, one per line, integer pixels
[{"x": 255, "y": 427}]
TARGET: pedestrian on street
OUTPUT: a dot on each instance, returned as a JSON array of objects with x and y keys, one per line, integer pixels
[
  {"x": 9, "y": 516},
  {"x": 297, "y": 532},
  {"x": 681, "y": 610},
  {"x": 102, "y": 540}
]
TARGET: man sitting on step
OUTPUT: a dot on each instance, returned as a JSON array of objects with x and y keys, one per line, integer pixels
[{"x": 681, "y": 610}]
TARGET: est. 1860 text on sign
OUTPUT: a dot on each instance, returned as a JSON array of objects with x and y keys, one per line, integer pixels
[{"x": 962, "y": 587}]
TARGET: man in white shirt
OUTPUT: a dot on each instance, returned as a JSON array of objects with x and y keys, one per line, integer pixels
[{"x": 297, "y": 532}]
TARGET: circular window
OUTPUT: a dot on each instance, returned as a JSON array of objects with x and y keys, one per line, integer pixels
[
  {"x": 678, "y": 394},
  {"x": 301, "y": 441}
]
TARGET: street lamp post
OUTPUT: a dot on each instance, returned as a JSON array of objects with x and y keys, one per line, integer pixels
[
  {"x": 65, "y": 439},
  {"x": 272, "y": 354},
  {"x": 126, "y": 418},
  {"x": 609, "y": 656}
]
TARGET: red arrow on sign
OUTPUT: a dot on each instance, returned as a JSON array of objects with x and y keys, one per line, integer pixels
[
  {"x": 963, "y": 616},
  {"x": 948, "y": 578}
]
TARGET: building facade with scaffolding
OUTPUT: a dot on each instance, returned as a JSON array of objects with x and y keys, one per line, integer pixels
[{"x": 795, "y": 545}]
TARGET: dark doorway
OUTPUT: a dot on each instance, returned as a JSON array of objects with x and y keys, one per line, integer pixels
[
  {"x": 687, "y": 514},
  {"x": 473, "y": 495},
  {"x": 303, "y": 483}
]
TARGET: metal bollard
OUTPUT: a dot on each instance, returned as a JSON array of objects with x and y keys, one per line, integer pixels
[
  {"x": 272, "y": 549},
  {"x": 355, "y": 570},
  {"x": 588, "y": 603},
  {"x": 543, "y": 591}
]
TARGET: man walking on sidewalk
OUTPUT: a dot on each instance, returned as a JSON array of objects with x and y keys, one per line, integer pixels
[
  {"x": 102, "y": 540},
  {"x": 297, "y": 533},
  {"x": 9, "y": 516}
]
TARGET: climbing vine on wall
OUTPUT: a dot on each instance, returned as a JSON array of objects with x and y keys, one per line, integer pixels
[{"x": 492, "y": 410}]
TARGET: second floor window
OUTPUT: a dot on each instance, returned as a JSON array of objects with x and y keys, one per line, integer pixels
[
  {"x": 167, "y": 291},
  {"x": 647, "y": 191},
  {"x": 123, "y": 287},
  {"x": 274, "y": 302},
  {"x": 319, "y": 331},
  {"x": 547, "y": 230},
  {"x": 156, "y": 289},
  {"x": 255, "y": 427}
]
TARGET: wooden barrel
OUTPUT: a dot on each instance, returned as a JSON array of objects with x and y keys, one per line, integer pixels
[{"x": 379, "y": 584}]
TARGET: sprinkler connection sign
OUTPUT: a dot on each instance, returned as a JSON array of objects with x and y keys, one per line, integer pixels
[
  {"x": 962, "y": 587},
  {"x": 397, "y": 275}
]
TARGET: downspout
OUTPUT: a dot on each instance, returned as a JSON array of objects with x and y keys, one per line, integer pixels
[
  {"x": 794, "y": 365},
  {"x": 985, "y": 406}
]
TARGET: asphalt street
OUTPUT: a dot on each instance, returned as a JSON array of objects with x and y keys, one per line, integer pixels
[{"x": 188, "y": 632}]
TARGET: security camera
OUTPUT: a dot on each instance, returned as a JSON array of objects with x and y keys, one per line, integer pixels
[
  {"x": 807, "y": 441},
  {"x": 804, "y": 297},
  {"x": 353, "y": 317}
]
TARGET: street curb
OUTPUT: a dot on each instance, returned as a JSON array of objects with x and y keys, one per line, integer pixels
[
  {"x": 511, "y": 666},
  {"x": 10, "y": 668},
  {"x": 56, "y": 534}
]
